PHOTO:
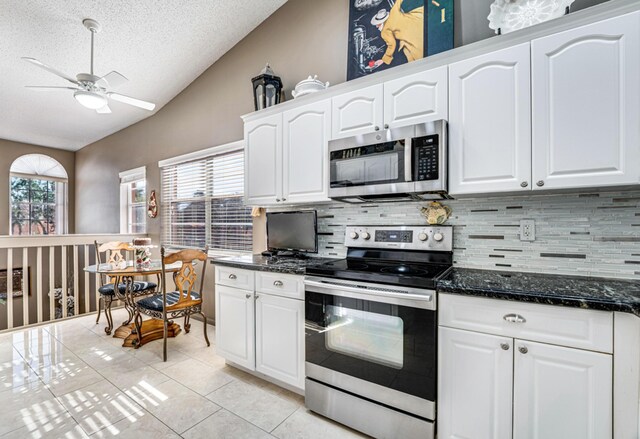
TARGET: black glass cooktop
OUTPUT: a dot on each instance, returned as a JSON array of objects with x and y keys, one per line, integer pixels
[{"x": 413, "y": 274}]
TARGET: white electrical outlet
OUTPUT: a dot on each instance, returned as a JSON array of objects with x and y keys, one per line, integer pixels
[{"x": 527, "y": 230}]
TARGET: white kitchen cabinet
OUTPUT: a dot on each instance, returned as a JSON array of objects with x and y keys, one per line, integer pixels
[
  {"x": 561, "y": 393},
  {"x": 417, "y": 98},
  {"x": 357, "y": 112},
  {"x": 235, "y": 325},
  {"x": 490, "y": 123},
  {"x": 262, "y": 329},
  {"x": 306, "y": 132},
  {"x": 496, "y": 382},
  {"x": 586, "y": 105},
  {"x": 263, "y": 160},
  {"x": 474, "y": 389},
  {"x": 280, "y": 338}
]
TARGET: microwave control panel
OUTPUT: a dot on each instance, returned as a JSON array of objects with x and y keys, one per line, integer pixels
[{"x": 425, "y": 158}]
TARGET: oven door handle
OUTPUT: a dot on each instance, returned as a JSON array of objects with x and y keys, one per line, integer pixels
[
  {"x": 408, "y": 161},
  {"x": 424, "y": 301}
]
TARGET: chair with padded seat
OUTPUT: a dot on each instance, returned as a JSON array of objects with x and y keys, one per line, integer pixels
[
  {"x": 113, "y": 252},
  {"x": 183, "y": 301}
]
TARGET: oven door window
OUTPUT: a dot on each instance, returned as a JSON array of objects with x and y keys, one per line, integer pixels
[{"x": 390, "y": 345}]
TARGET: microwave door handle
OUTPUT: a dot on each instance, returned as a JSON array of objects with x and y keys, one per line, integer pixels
[{"x": 408, "y": 152}]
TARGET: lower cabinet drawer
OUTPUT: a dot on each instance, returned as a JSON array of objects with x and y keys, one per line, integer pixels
[
  {"x": 285, "y": 285},
  {"x": 235, "y": 277},
  {"x": 564, "y": 326}
]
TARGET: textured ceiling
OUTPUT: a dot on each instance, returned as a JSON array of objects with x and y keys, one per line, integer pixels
[{"x": 160, "y": 46}]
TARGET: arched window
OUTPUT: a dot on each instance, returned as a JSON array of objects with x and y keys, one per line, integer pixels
[{"x": 38, "y": 196}]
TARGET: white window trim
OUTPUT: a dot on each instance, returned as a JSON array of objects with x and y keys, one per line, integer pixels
[
  {"x": 202, "y": 154},
  {"x": 62, "y": 201},
  {"x": 127, "y": 177}
]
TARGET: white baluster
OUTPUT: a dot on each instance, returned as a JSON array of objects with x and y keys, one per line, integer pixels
[
  {"x": 9, "y": 288},
  {"x": 87, "y": 285},
  {"x": 76, "y": 282},
  {"x": 64, "y": 280},
  {"x": 25, "y": 286},
  {"x": 52, "y": 285},
  {"x": 39, "y": 283}
]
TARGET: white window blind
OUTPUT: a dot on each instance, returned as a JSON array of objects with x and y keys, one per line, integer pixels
[
  {"x": 202, "y": 204},
  {"x": 133, "y": 197}
]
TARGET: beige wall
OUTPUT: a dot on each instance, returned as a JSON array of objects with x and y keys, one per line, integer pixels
[
  {"x": 9, "y": 151},
  {"x": 303, "y": 37}
]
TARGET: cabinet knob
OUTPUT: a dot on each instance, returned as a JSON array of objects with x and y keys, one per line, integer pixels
[
  {"x": 278, "y": 283},
  {"x": 524, "y": 184},
  {"x": 377, "y": 128},
  {"x": 257, "y": 297},
  {"x": 277, "y": 200},
  {"x": 540, "y": 183},
  {"x": 523, "y": 349},
  {"x": 386, "y": 126},
  {"x": 504, "y": 346},
  {"x": 233, "y": 276},
  {"x": 284, "y": 199},
  {"x": 514, "y": 318},
  {"x": 248, "y": 296}
]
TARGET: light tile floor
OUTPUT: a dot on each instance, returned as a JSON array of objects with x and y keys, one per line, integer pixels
[{"x": 70, "y": 380}]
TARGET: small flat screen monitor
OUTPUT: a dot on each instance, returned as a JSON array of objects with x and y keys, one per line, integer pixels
[{"x": 292, "y": 231}]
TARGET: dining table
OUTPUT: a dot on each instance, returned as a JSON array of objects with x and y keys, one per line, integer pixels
[{"x": 125, "y": 274}]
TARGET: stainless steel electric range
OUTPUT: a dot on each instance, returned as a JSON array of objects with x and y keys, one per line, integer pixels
[{"x": 371, "y": 330}]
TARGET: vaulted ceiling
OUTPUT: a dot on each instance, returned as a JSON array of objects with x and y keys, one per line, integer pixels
[{"x": 160, "y": 46}]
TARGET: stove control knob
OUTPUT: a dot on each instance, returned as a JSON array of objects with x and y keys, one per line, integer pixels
[
  {"x": 423, "y": 236},
  {"x": 353, "y": 235},
  {"x": 366, "y": 235},
  {"x": 438, "y": 237}
]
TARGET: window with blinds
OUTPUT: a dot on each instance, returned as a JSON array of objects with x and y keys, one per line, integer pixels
[
  {"x": 202, "y": 204},
  {"x": 133, "y": 197}
]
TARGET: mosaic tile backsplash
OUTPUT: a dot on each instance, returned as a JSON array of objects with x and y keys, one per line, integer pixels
[{"x": 588, "y": 234}]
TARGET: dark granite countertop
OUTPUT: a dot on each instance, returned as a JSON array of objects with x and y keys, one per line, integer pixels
[
  {"x": 575, "y": 291},
  {"x": 278, "y": 264}
]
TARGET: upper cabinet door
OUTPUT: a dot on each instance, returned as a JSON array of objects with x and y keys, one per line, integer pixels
[
  {"x": 561, "y": 393},
  {"x": 490, "y": 123},
  {"x": 475, "y": 373},
  {"x": 418, "y": 98},
  {"x": 586, "y": 105},
  {"x": 357, "y": 112},
  {"x": 306, "y": 132},
  {"x": 263, "y": 160}
]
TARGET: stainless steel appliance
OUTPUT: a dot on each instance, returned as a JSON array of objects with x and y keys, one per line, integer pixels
[
  {"x": 371, "y": 330},
  {"x": 408, "y": 163}
]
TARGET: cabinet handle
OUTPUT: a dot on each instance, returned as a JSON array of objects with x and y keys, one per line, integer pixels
[
  {"x": 540, "y": 183},
  {"x": 386, "y": 126},
  {"x": 523, "y": 349},
  {"x": 377, "y": 128},
  {"x": 233, "y": 276},
  {"x": 278, "y": 283},
  {"x": 524, "y": 184},
  {"x": 514, "y": 318},
  {"x": 284, "y": 199},
  {"x": 257, "y": 297},
  {"x": 248, "y": 296},
  {"x": 504, "y": 346},
  {"x": 277, "y": 200}
]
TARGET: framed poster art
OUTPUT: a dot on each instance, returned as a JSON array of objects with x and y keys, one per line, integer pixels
[{"x": 387, "y": 33}]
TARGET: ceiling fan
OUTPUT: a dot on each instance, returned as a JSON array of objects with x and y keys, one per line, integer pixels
[{"x": 90, "y": 90}]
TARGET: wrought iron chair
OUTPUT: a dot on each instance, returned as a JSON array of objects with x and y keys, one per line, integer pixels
[
  {"x": 114, "y": 255},
  {"x": 182, "y": 302}
]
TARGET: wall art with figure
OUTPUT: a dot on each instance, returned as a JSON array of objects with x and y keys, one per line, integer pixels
[{"x": 387, "y": 33}]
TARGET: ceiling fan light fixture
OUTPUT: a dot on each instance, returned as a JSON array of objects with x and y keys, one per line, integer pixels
[{"x": 90, "y": 99}]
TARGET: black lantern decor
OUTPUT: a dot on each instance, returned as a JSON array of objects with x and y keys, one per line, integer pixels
[{"x": 267, "y": 88}]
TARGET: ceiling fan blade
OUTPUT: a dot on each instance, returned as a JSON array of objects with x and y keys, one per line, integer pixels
[
  {"x": 49, "y": 88},
  {"x": 104, "y": 110},
  {"x": 111, "y": 80},
  {"x": 35, "y": 62},
  {"x": 132, "y": 101}
]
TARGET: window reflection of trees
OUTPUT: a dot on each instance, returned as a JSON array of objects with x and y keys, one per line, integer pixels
[{"x": 33, "y": 206}]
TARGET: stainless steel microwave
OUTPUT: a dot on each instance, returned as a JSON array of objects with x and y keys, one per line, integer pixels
[{"x": 408, "y": 163}]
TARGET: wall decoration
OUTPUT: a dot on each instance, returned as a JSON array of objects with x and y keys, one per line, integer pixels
[
  {"x": 309, "y": 85},
  {"x": 509, "y": 15},
  {"x": 387, "y": 33},
  {"x": 17, "y": 282},
  {"x": 152, "y": 208},
  {"x": 267, "y": 89}
]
